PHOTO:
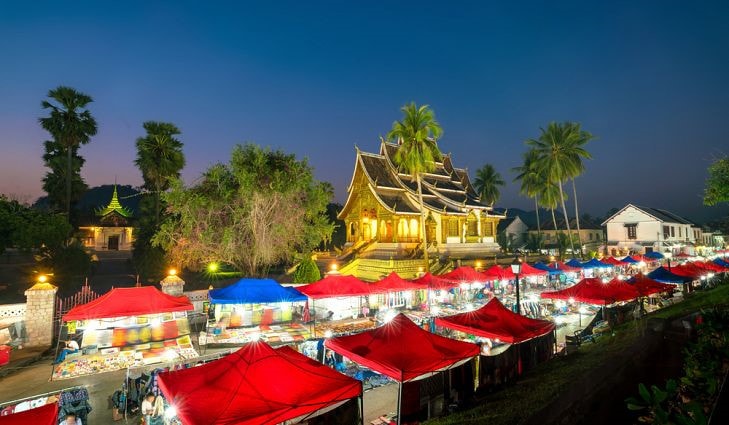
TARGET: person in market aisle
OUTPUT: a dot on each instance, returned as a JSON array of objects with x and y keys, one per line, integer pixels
[
  {"x": 148, "y": 408},
  {"x": 71, "y": 419},
  {"x": 71, "y": 347},
  {"x": 158, "y": 412},
  {"x": 329, "y": 360}
]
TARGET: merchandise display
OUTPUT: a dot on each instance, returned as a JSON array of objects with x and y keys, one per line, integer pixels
[
  {"x": 273, "y": 334},
  {"x": 119, "y": 343},
  {"x": 344, "y": 327}
]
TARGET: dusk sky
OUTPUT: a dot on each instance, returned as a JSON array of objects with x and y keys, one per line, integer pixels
[{"x": 649, "y": 78}]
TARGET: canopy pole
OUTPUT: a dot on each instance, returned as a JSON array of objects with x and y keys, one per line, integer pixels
[
  {"x": 58, "y": 343},
  {"x": 313, "y": 308},
  {"x": 399, "y": 402},
  {"x": 361, "y": 403}
]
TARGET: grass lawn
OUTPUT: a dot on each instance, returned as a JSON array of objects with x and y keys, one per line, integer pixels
[{"x": 541, "y": 386}]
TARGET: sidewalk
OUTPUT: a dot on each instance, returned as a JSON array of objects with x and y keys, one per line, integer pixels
[{"x": 19, "y": 359}]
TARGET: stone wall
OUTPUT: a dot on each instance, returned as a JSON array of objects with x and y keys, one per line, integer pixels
[
  {"x": 172, "y": 285},
  {"x": 41, "y": 300}
]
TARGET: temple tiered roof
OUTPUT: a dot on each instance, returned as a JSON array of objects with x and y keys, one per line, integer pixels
[
  {"x": 445, "y": 190},
  {"x": 114, "y": 207}
]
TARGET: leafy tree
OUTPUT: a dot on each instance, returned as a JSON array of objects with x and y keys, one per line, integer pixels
[
  {"x": 534, "y": 242},
  {"x": 67, "y": 262},
  {"x": 339, "y": 235},
  {"x": 70, "y": 124},
  {"x": 531, "y": 181},
  {"x": 417, "y": 135},
  {"x": 149, "y": 261},
  {"x": 159, "y": 158},
  {"x": 717, "y": 184},
  {"x": 55, "y": 180},
  {"x": 45, "y": 235},
  {"x": 258, "y": 210},
  {"x": 560, "y": 149},
  {"x": 487, "y": 184},
  {"x": 307, "y": 271},
  {"x": 504, "y": 241}
]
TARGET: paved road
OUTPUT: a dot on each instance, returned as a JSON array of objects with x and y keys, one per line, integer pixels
[{"x": 34, "y": 380}]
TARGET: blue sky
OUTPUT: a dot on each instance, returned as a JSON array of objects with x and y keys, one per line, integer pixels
[{"x": 649, "y": 78}]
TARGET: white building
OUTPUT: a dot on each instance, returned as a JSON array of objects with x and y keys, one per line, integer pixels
[
  {"x": 643, "y": 229},
  {"x": 515, "y": 230}
]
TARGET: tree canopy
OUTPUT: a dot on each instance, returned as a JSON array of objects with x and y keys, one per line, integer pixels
[
  {"x": 717, "y": 184},
  {"x": 71, "y": 125},
  {"x": 487, "y": 184},
  {"x": 256, "y": 211}
]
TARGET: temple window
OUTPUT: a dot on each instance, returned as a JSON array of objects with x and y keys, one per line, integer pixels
[{"x": 453, "y": 227}]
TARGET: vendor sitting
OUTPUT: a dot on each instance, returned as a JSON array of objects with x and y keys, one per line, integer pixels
[{"x": 71, "y": 347}]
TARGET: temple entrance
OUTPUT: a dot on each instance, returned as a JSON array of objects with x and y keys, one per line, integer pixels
[
  {"x": 430, "y": 227},
  {"x": 113, "y": 243}
]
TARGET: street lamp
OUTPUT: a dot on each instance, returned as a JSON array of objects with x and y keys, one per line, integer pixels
[{"x": 516, "y": 269}]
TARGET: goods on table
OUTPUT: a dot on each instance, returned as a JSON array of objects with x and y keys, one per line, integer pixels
[{"x": 344, "y": 326}]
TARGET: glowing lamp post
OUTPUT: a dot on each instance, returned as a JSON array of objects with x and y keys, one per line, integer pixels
[{"x": 516, "y": 269}]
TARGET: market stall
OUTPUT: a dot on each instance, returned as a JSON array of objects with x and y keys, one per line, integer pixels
[
  {"x": 337, "y": 302},
  {"x": 259, "y": 385},
  {"x": 253, "y": 309},
  {"x": 393, "y": 293},
  {"x": 44, "y": 415},
  {"x": 406, "y": 353},
  {"x": 442, "y": 296},
  {"x": 126, "y": 327},
  {"x": 495, "y": 325},
  {"x": 594, "y": 291}
]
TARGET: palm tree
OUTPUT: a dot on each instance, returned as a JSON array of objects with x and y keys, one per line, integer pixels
[
  {"x": 578, "y": 153},
  {"x": 549, "y": 198},
  {"x": 557, "y": 147},
  {"x": 531, "y": 180},
  {"x": 417, "y": 135},
  {"x": 160, "y": 158},
  {"x": 70, "y": 124},
  {"x": 487, "y": 184}
]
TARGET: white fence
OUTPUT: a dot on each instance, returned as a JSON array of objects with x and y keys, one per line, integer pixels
[{"x": 11, "y": 313}]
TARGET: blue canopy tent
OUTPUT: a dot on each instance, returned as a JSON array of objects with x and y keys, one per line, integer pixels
[
  {"x": 721, "y": 262},
  {"x": 630, "y": 260},
  {"x": 574, "y": 263},
  {"x": 595, "y": 264},
  {"x": 542, "y": 266},
  {"x": 663, "y": 275},
  {"x": 258, "y": 291},
  {"x": 654, "y": 255}
]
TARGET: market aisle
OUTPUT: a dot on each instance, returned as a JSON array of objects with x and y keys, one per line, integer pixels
[
  {"x": 571, "y": 324},
  {"x": 33, "y": 380},
  {"x": 380, "y": 401}
]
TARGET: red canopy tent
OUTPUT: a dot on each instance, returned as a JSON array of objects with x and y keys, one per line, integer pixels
[
  {"x": 334, "y": 286},
  {"x": 402, "y": 350},
  {"x": 647, "y": 286},
  {"x": 255, "y": 385},
  {"x": 689, "y": 270},
  {"x": 497, "y": 273},
  {"x": 709, "y": 266},
  {"x": 623, "y": 290},
  {"x": 527, "y": 270},
  {"x": 428, "y": 281},
  {"x": 44, "y": 415},
  {"x": 394, "y": 283},
  {"x": 612, "y": 261},
  {"x": 493, "y": 320},
  {"x": 126, "y": 302},
  {"x": 682, "y": 255},
  {"x": 591, "y": 291},
  {"x": 464, "y": 274}
]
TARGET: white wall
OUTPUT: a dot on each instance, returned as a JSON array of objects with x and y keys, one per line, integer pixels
[{"x": 648, "y": 228}]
